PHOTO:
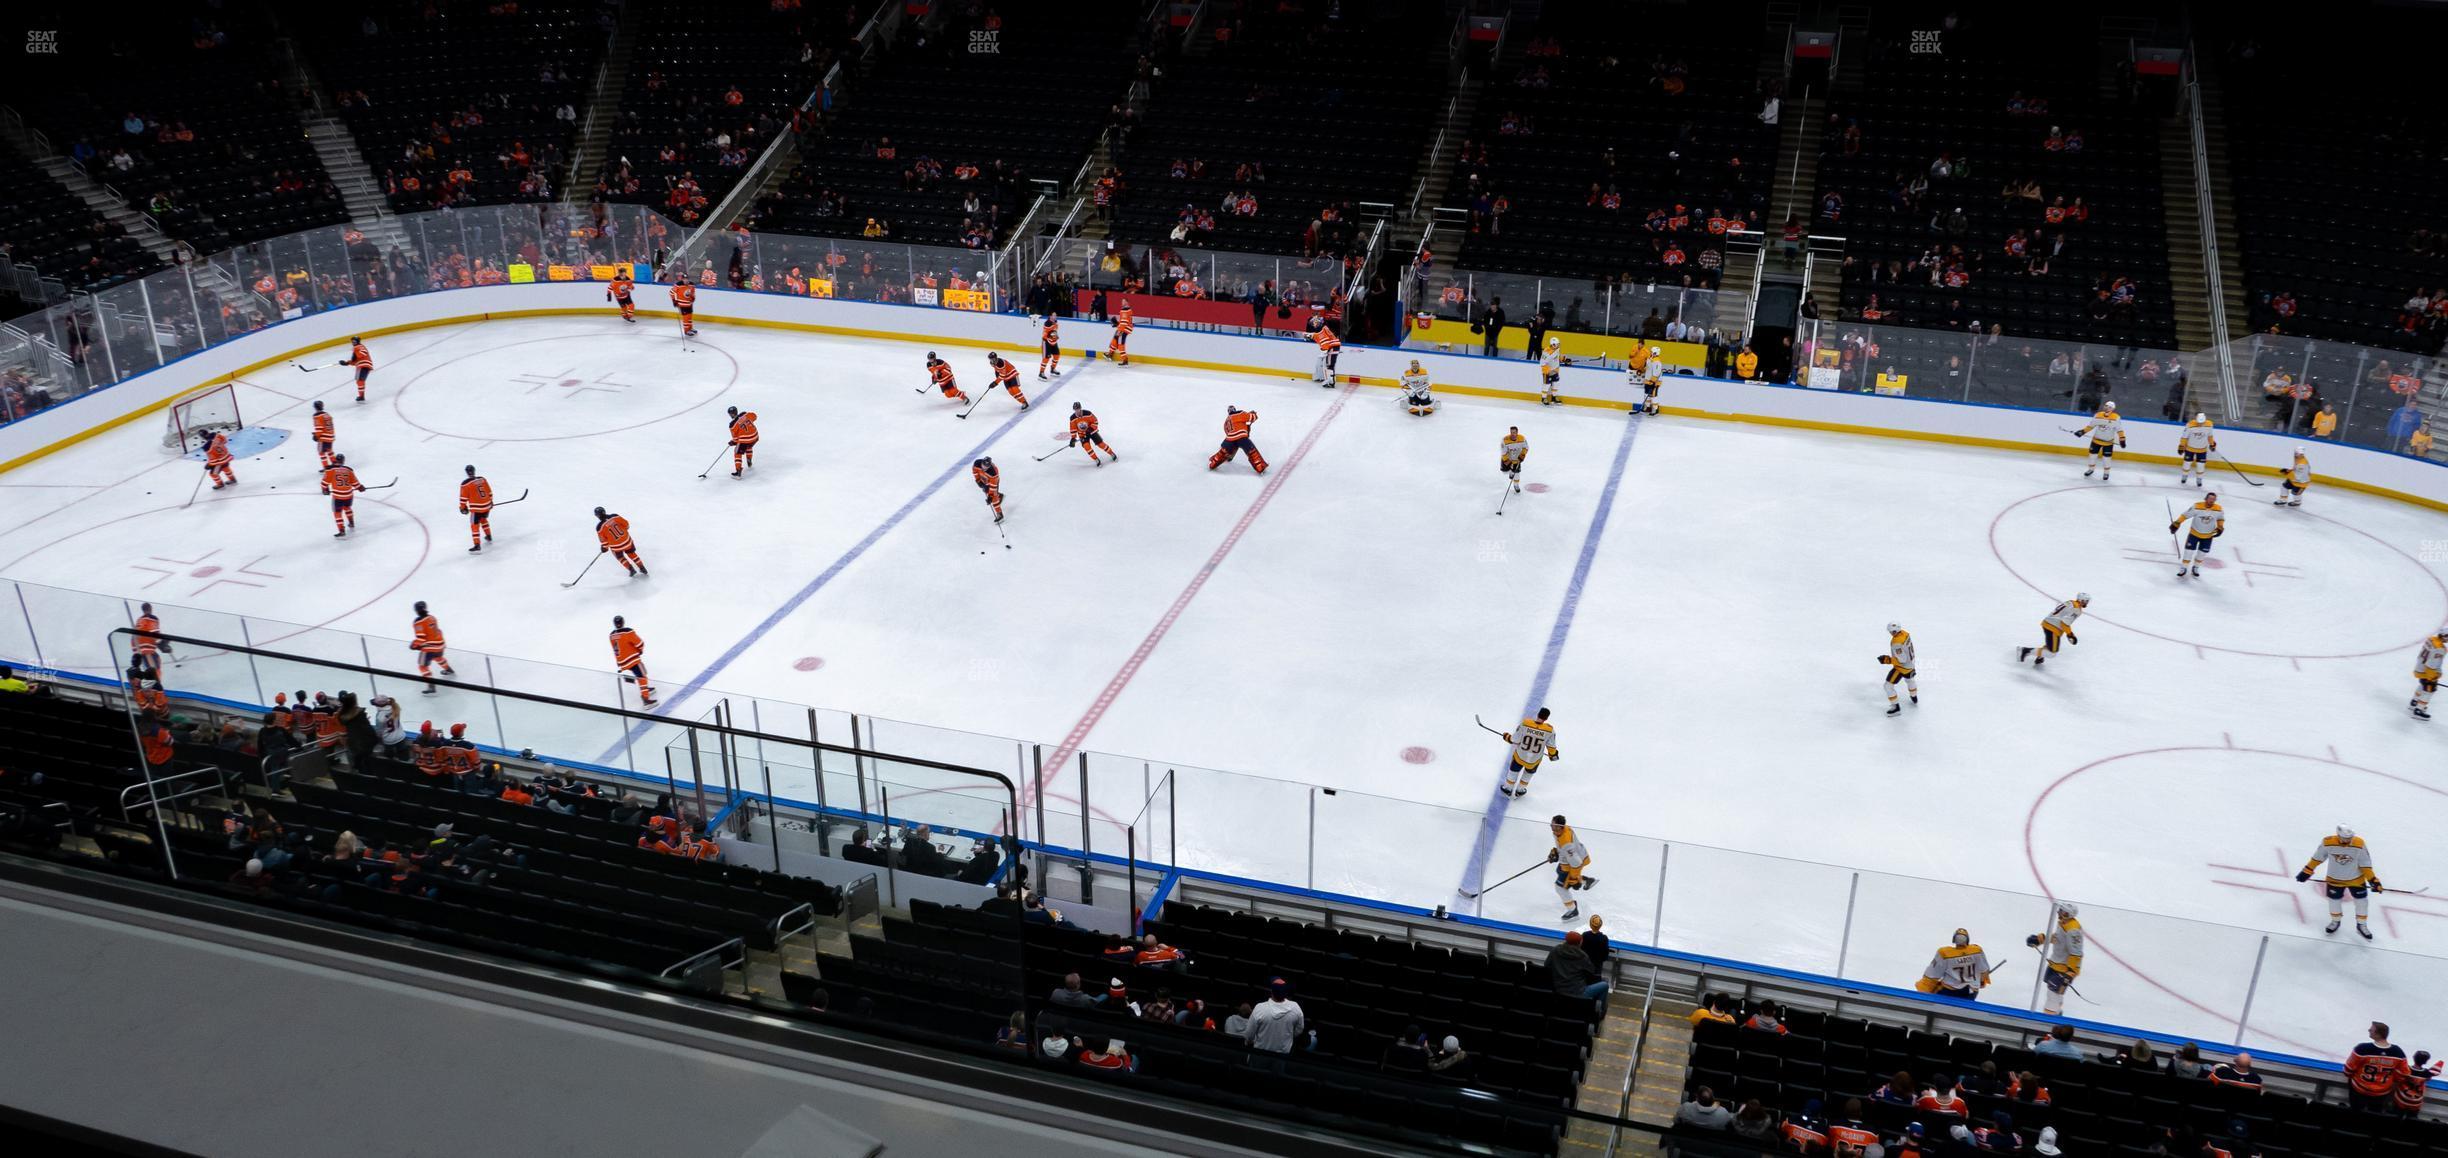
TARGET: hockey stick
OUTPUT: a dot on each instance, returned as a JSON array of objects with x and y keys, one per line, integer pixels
[
  {"x": 1006, "y": 536},
  {"x": 1467, "y": 894},
  {"x": 2239, "y": 471},
  {"x": 1490, "y": 731},
  {"x": 2044, "y": 962},
  {"x": 582, "y": 571},
  {"x": 1053, "y": 452},
  {"x": 717, "y": 460},
  {"x": 197, "y": 490},
  {"x": 522, "y": 498},
  {"x": 303, "y": 369},
  {"x": 382, "y": 487},
  {"x": 973, "y": 403},
  {"x": 1511, "y": 488}
]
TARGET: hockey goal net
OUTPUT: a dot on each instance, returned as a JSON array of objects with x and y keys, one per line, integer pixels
[{"x": 199, "y": 415}]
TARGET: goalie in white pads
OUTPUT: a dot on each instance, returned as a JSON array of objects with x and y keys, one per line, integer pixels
[
  {"x": 1551, "y": 371},
  {"x": 2061, "y": 955},
  {"x": 2202, "y": 523},
  {"x": 1900, "y": 667},
  {"x": 2349, "y": 871},
  {"x": 1958, "y": 969},
  {"x": 2055, "y": 626},
  {"x": 2427, "y": 672},
  {"x": 1416, "y": 396},
  {"x": 2107, "y": 433},
  {"x": 1533, "y": 742},
  {"x": 1572, "y": 860},
  {"x": 2193, "y": 450}
]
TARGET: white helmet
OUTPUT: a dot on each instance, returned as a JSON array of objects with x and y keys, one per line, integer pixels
[
  {"x": 2067, "y": 909},
  {"x": 1895, "y": 629},
  {"x": 2082, "y": 597},
  {"x": 2345, "y": 834},
  {"x": 1554, "y": 342},
  {"x": 1654, "y": 352},
  {"x": 2107, "y": 405},
  {"x": 2202, "y": 417}
]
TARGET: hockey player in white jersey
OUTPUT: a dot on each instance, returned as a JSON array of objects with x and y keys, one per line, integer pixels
[
  {"x": 2293, "y": 484},
  {"x": 2193, "y": 450},
  {"x": 1650, "y": 373},
  {"x": 2349, "y": 871},
  {"x": 1511, "y": 452},
  {"x": 2203, "y": 522},
  {"x": 1416, "y": 396},
  {"x": 2061, "y": 956},
  {"x": 2427, "y": 672},
  {"x": 1533, "y": 742},
  {"x": 2055, "y": 626},
  {"x": 1571, "y": 859},
  {"x": 1551, "y": 371},
  {"x": 2107, "y": 434},
  {"x": 1898, "y": 659},
  {"x": 1958, "y": 969}
]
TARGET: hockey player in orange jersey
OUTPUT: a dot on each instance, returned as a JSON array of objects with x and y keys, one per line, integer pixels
[
  {"x": 623, "y": 291},
  {"x": 743, "y": 440},
  {"x": 1084, "y": 434},
  {"x": 363, "y": 360},
  {"x": 324, "y": 434},
  {"x": 989, "y": 480},
  {"x": 426, "y": 641},
  {"x": 147, "y": 644},
  {"x": 217, "y": 461},
  {"x": 341, "y": 484},
  {"x": 1237, "y": 424},
  {"x": 612, "y": 532},
  {"x": 476, "y": 502},
  {"x": 1007, "y": 375},
  {"x": 1123, "y": 323},
  {"x": 939, "y": 375},
  {"x": 629, "y": 659},
  {"x": 1049, "y": 362},
  {"x": 684, "y": 299}
]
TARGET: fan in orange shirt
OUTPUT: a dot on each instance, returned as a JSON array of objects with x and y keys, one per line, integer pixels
[
  {"x": 939, "y": 374},
  {"x": 622, "y": 292},
  {"x": 323, "y": 434},
  {"x": 341, "y": 484},
  {"x": 217, "y": 462},
  {"x": 743, "y": 440},
  {"x": 426, "y": 641},
  {"x": 629, "y": 659},
  {"x": 476, "y": 502},
  {"x": 1119, "y": 348},
  {"x": 612, "y": 531}
]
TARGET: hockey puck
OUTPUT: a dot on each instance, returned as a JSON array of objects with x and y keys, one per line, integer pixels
[{"x": 981, "y": 552}]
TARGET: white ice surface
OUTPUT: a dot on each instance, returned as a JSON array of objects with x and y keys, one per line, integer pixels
[{"x": 1718, "y": 686}]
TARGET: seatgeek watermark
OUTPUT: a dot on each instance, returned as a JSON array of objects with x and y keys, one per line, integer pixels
[
  {"x": 42, "y": 42},
  {"x": 1925, "y": 42},
  {"x": 985, "y": 41}
]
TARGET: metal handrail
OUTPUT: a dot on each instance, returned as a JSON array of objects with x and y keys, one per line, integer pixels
[
  {"x": 1436, "y": 151},
  {"x": 808, "y": 911},
  {"x": 1053, "y": 245},
  {"x": 739, "y": 958},
  {"x": 155, "y": 798},
  {"x": 2205, "y": 212}
]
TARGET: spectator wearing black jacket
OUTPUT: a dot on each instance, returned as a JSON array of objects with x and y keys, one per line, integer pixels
[
  {"x": 1596, "y": 946},
  {"x": 984, "y": 859},
  {"x": 859, "y": 851},
  {"x": 1491, "y": 325}
]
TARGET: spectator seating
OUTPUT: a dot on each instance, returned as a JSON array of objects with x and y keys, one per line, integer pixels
[
  {"x": 952, "y": 971},
  {"x": 220, "y": 159},
  {"x": 50, "y": 229},
  {"x": 2097, "y": 1108},
  {"x": 2338, "y": 199},
  {"x": 1917, "y": 108},
  {"x": 1032, "y": 92},
  {"x": 1337, "y": 111},
  {"x": 1657, "y": 111},
  {"x": 458, "y": 102},
  {"x": 572, "y": 890},
  {"x": 709, "y": 87}
]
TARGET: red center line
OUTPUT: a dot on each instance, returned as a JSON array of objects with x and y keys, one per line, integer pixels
[{"x": 1147, "y": 647}]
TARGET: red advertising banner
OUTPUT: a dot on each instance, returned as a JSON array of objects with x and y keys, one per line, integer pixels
[{"x": 1196, "y": 311}]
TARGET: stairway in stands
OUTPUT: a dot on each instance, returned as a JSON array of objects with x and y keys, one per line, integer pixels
[
  {"x": 603, "y": 104},
  {"x": 369, "y": 211},
  {"x": 2186, "y": 266}
]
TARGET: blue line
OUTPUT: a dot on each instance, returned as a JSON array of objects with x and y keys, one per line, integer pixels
[
  {"x": 671, "y": 703},
  {"x": 1155, "y": 906},
  {"x": 1474, "y": 870}
]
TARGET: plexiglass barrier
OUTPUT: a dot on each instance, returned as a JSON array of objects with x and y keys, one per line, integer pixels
[
  {"x": 1186, "y": 271},
  {"x": 1575, "y": 305}
]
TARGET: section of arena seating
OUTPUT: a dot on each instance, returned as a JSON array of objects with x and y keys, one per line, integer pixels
[
  {"x": 2338, "y": 190},
  {"x": 194, "y": 126},
  {"x": 421, "y": 857},
  {"x": 1989, "y": 184},
  {"x": 1618, "y": 149},
  {"x": 1032, "y": 88},
  {"x": 709, "y": 87},
  {"x": 1266, "y": 143},
  {"x": 950, "y": 970},
  {"x": 49, "y": 228},
  {"x": 1816, "y": 1072},
  {"x": 458, "y": 102}
]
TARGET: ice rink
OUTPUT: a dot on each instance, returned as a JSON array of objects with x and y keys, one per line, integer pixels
[{"x": 1700, "y": 604}]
